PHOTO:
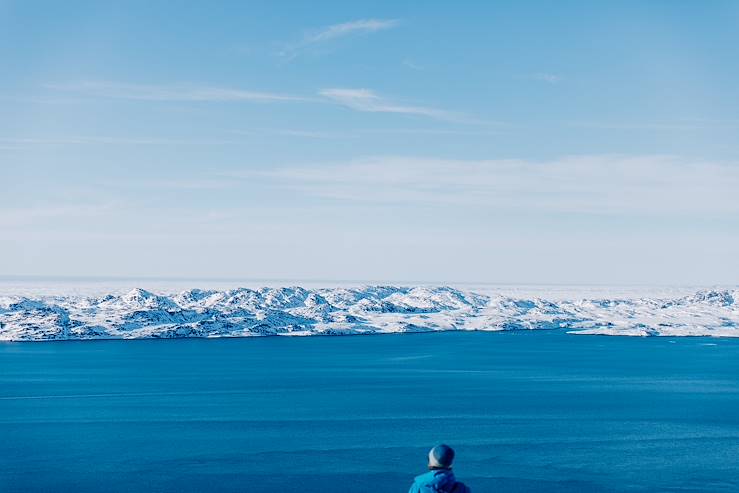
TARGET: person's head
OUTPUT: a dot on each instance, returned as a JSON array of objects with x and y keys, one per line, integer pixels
[{"x": 441, "y": 457}]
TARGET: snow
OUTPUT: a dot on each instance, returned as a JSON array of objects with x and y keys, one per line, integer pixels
[{"x": 300, "y": 311}]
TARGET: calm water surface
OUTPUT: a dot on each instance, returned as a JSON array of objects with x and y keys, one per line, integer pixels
[{"x": 526, "y": 411}]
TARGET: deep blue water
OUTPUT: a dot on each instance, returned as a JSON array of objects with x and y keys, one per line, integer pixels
[{"x": 526, "y": 411}]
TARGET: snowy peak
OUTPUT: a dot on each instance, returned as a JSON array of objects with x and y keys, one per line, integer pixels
[
  {"x": 144, "y": 299},
  {"x": 722, "y": 298},
  {"x": 193, "y": 296},
  {"x": 370, "y": 309}
]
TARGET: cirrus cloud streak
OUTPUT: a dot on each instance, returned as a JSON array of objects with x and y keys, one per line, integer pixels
[{"x": 601, "y": 184}]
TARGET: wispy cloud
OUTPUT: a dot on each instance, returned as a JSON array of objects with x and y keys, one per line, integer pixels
[
  {"x": 601, "y": 184},
  {"x": 116, "y": 90},
  {"x": 200, "y": 183},
  {"x": 677, "y": 124},
  {"x": 337, "y": 31},
  {"x": 357, "y": 99},
  {"x": 29, "y": 142},
  {"x": 547, "y": 77},
  {"x": 495, "y": 128},
  {"x": 289, "y": 132},
  {"x": 354, "y": 27},
  {"x": 412, "y": 65},
  {"x": 366, "y": 100},
  {"x": 27, "y": 216}
]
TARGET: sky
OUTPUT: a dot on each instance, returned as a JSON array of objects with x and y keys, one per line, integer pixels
[{"x": 501, "y": 142}]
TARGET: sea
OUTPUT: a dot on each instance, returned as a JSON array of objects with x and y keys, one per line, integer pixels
[{"x": 526, "y": 411}]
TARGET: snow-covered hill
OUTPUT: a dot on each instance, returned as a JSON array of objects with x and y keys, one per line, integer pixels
[{"x": 356, "y": 310}]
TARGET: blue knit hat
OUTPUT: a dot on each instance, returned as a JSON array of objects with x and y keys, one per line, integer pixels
[{"x": 441, "y": 457}]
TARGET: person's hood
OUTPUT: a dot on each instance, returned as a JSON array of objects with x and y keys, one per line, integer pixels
[{"x": 438, "y": 479}]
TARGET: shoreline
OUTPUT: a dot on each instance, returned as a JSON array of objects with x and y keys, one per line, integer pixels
[{"x": 564, "y": 332}]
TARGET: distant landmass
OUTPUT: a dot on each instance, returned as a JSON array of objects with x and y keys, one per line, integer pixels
[{"x": 297, "y": 311}]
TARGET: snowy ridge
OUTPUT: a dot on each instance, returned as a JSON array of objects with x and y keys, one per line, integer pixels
[{"x": 362, "y": 310}]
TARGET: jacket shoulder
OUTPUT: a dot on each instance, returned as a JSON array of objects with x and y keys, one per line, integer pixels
[{"x": 460, "y": 487}]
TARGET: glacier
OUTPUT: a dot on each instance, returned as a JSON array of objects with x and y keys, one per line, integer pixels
[{"x": 299, "y": 311}]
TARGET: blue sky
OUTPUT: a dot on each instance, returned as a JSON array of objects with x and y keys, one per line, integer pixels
[{"x": 532, "y": 142}]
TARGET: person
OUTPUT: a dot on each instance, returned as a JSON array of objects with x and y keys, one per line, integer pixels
[{"x": 439, "y": 478}]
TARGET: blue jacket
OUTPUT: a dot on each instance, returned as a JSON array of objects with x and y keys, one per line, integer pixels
[{"x": 438, "y": 481}]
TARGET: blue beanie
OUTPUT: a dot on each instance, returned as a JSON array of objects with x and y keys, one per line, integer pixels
[{"x": 441, "y": 457}]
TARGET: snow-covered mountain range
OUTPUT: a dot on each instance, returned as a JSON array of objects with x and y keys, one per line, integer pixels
[{"x": 355, "y": 310}]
